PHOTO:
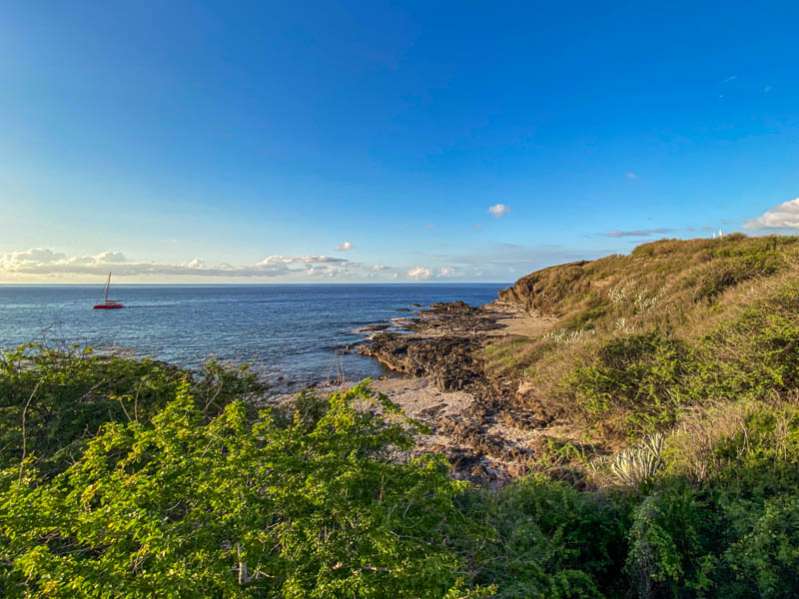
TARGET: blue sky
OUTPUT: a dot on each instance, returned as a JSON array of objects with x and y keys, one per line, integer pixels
[{"x": 219, "y": 141}]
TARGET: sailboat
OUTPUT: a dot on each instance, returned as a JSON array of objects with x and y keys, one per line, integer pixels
[{"x": 108, "y": 304}]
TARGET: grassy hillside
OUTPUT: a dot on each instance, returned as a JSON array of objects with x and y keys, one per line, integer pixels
[{"x": 639, "y": 340}]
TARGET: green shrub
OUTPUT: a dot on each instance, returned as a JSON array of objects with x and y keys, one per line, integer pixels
[
  {"x": 753, "y": 355},
  {"x": 546, "y": 539},
  {"x": 177, "y": 507},
  {"x": 721, "y": 520},
  {"x": 671, "y": 538},
  {"x": 765, "y": 561},
  {"x": 65, "y": 396},
  {"x": 722, "y": 274},
  {"x": 636, "y": 374}
]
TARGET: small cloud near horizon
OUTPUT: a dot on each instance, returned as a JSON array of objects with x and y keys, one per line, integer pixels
[
  {"x": 784, "y": 216},
  {"x": 419, "y": 273},
  {"x": 639, "y": 233},
  {"x": 498, "y": 210},
  {"x": 344, "y": 246}
]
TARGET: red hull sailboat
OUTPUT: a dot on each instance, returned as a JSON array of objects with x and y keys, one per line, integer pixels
[{"x": 108, "y": 304}]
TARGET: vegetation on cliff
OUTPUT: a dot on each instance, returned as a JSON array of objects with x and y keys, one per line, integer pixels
[
  {"x": 640, "y": 339},
  {"x": 674, "y": 370}
]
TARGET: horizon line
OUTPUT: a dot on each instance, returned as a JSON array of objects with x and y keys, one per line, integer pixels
[{"x": 259, "y": 284}]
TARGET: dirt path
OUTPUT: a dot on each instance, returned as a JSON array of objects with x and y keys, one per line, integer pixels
[{"x": 520, "y": 324}]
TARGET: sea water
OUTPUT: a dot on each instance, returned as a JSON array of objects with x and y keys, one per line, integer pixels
[{"x": 292, "y": 334}]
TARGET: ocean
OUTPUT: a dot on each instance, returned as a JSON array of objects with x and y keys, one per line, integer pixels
[{"x": 291, "y": 335}]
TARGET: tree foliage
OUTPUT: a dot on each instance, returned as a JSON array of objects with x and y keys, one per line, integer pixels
[
  {"x": 307, "y": 508},
  {"x": 52, "y": 400}
]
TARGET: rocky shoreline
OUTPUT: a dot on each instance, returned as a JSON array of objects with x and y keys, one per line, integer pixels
[
  {"x": 473, "y": 419},
  {"x": 440, "y": 343}
]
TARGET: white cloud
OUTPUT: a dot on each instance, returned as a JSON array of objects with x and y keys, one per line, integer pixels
[
  {"x": 446, "y": 271},
  {"x": 420, "y": 273},
  {"x": 32, "y": 256},
  {"x": 344, "y": 246},
  {"x": 631, "y": 175},
  {"x": 498, "y": 210},
  {"x": 110, "y": 257},
  {"x": 288, "y": 260},
  {"x": 784, "y": 216},
  {"x": 45, "y": 263},
  {"x": 639, "y": 232}
]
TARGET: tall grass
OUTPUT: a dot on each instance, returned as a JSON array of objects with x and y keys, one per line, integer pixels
[{"x": 676, "y": 323}]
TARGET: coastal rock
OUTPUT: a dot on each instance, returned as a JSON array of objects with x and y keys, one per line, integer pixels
[
  {"x": 448, "y": 360},
  {"x": 457, "y": 318},
  {"x": 442, "y": 344}
]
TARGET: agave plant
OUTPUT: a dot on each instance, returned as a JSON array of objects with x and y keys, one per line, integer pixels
[{"x": 639, "y": 463}]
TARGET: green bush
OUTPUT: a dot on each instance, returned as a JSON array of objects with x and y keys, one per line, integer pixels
[
  {"x": 546, "y": 539},
  {"x": 754, "y": 355},
  {"x": 724, "y": 273},
  {"x": 52, "y": 400},
  {"x": 237, "y": 508},
  {"x": 645, "y": 379},
  {"x": 636, "y": 374},
  {"x": 671, "y": 542},
  {"x": 732, "y": 533},
  {"x": 765, "y": 561}
]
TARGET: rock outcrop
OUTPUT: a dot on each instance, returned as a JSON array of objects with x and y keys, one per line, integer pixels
[
  {"x": 442, "y": 344},
  {"x": 447, "y": 360}
]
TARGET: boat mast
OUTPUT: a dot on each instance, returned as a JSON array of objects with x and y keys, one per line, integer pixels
[{"x": 107, "y": 285}]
